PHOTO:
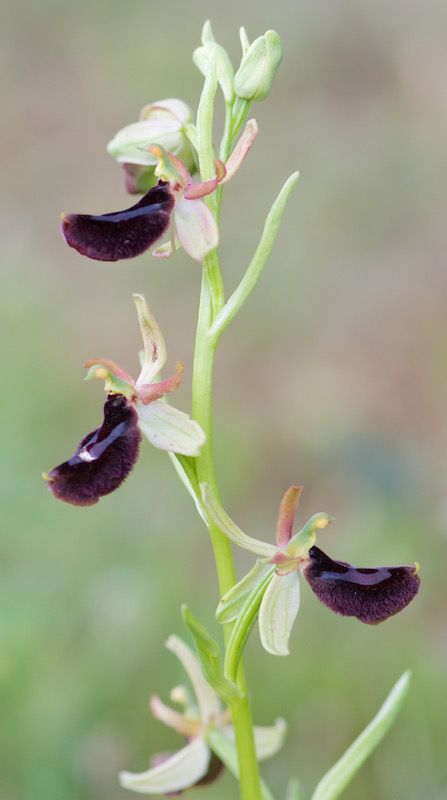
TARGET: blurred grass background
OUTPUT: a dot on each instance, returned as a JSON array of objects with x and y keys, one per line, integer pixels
[{"x": 333, "y": 377}]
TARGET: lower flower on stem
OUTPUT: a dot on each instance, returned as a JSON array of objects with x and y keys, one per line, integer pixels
[
  {"x": 105, "y": 457},
  {"x": 371, "y": 594},
  {"x": 196, "y": 763}
]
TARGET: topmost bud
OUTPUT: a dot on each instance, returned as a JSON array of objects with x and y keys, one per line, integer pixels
[{"x": 254, "y": 78}]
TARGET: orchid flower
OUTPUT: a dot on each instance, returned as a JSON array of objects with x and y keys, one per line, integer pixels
[
  {"x": 371, "y": 594},
  {"x": 203, "y": 723},
  {"x": 176, "y": 203},
  {"x": 105, "y": 457}
]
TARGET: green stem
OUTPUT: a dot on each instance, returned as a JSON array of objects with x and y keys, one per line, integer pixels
[
  {"x": 211, "y": 303},
  {"x": 250, "y": 787}
]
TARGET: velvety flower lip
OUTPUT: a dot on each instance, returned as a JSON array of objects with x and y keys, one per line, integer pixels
[
  {"x": 102, "y": 460},
  {"x": 121, "y": 234},
  {"x": 370, "y": 594}
]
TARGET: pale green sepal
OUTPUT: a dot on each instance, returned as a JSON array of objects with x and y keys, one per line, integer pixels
[
  {"x": 245, "y": 42},
  {"x": 185, "y": 768},
  {"x": 232, "y": 602},
  {"x": 162, "y": 123},
  {"x": 184, "y": 467},
  {"x": 153, "y": 341},
  {"x": 268, "y": 739},
  {"x": 254, "y": 78},
  {"x": 210, "y": 658},
  {"x": 195, "y": 227},
  {"x": 277, "y": 613},
  {"x": 294, "y": 790},
  {"x": 225, "y": 749},
  {"x": 167, "y": 428},
  {"x": 112, "y": 383},
  {"x": 207, "y": 699},
  {"x": 339, "y": 776},
  {"x": 131, "y": 144},
  {"x": 216, "y": 514}
]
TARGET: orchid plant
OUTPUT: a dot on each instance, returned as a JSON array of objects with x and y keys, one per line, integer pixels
[{"x": 173, "y": 163}]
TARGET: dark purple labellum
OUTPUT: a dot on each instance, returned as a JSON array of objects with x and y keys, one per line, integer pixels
[
  {"x": 122, "y": 234},
  {"x": 371, "y": 595},
  {"x": 103, "y": 459}
]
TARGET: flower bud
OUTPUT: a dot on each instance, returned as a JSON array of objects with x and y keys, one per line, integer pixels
[
  {"x": 161, "y": 123},
  {"x": 212, "y": 51},
  {"x": 254, "y": 78}
]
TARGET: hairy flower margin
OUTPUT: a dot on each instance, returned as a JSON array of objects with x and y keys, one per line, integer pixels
[
  {"x": 204, "y": 724},
  {"x": 105, "y": 457},
  {"x": 371, "y": 594}
]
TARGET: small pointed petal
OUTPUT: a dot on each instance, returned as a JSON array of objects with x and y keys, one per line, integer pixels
[
  {"x": 154, "y": 344},
  {"x": 170, "y": 429},
  {"x": 173, "y": 719},
  {"x": 103, "y": 459},
  {"x": 286, "y": 517},
  {"x": 268, "y": 740},
  {"x": 181, "y": 770},
  {"x": 149, "y": 392},
  {"x": 241, "y": 149},
  {"x": 122, "y": 234},
  {"x": 372, "y": 594},
  {"x": 278, "y": 611},
  {"x": 196, "y": 228},
  {"x": 207, "y": 699}
]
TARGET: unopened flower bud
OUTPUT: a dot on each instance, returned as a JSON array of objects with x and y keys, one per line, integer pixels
[
  {"x": 254, "y": 78},
  {"x": 161, "y": 123},
  {"x": 212, "y": 51}
]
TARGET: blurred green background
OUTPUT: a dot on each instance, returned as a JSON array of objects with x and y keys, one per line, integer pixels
[{"x": 333, "y": 377}]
